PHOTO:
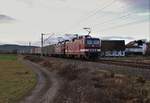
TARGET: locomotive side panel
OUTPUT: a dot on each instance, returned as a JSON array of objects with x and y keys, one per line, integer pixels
[
  {"x": 73, "y": 48},
  {"x": 83, "y": 47}
]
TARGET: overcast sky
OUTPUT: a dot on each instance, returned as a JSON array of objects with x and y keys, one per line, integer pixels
[{"x": 22, "y": 21}]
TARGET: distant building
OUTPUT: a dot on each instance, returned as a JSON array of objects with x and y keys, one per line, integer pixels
[
  {"x": 137, "y": 47},
  {"x": 111, "y": 48}
]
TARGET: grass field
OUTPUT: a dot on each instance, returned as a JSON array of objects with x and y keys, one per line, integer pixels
[
  {"x": 16, "y": 80},
  {"x": 5, "y": 57}
]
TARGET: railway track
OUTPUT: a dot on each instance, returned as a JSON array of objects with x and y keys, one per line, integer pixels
[
  {"x": 135, "y": 64},
  {"x": 126, "y": 63},
  {"x": 119, "y": 67},
  {"x": 115, "y": 66}
]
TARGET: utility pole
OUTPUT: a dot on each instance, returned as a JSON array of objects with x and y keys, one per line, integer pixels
[
  {"x": 42, "y": 44},
  {"x": 29, "y": 43},
  {"x": 42, "y": 41},
  {"x": 149, "y": 37}
]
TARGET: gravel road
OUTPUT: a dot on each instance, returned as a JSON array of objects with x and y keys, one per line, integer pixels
[{"x": 46, "y": 88}]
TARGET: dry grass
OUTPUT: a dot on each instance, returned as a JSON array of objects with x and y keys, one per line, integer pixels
[
  {"x": 34, "y": 58},
  {"x": 100, "y": 87},
  {"x": 88, "y": 85},
  {"x": 15, "y": 80}
]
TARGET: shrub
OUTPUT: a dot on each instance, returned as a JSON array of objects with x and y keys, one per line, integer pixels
[
  {"x": 33, "y": 58},
  {"x": 140, "y": 79},
  {"x": 68, "y": 71}
]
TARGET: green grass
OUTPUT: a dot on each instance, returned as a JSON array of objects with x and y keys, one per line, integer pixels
[
  {"x": 16, "y": 80},
  {"x": 6, "y": 57}
]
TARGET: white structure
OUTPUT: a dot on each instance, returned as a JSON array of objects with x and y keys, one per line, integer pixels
[
  {"x": 136, "y": 47},
  {"x": 113, "y": 48}
]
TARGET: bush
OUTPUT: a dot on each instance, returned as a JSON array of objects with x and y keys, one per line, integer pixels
[
  {"x": 47, "y": 64},
  {"x": 140, "y": 79},
  {"x": 33, "y": 58},
  {"x": 69, "y": 72}
]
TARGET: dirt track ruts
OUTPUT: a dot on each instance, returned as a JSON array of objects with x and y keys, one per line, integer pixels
[{"x": 46, "y": 87}]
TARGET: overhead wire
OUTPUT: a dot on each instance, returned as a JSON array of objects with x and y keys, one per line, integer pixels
[
  {"x": 125, "y": 24},
  {"x": 98, "y": 10},
  {"x": 47, "y": 40},
  {"x": 93, "y": 13},
  {"x": 122, "y": 17}
]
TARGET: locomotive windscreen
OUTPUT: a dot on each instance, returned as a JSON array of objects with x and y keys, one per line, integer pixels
[
  {"x": 110, "y": 45},
  {"x": 92, "y": 41}
]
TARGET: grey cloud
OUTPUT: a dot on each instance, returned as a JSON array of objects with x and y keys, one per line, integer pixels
[
  {"x": 142, "y": 5},
  {"x": 6, "y": 19}
]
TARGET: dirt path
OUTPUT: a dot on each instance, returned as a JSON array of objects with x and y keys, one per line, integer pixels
[{"x": 46, "y": 88}]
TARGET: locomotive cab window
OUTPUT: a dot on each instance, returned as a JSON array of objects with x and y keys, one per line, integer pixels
[
  {"x": 89, "y": 42},
  {"x": 92, "y": 41},
  {"x": 96, "y": 41}
]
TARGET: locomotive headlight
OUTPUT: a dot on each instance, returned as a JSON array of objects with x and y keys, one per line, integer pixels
[
  {"x": 98, "y": 50},
  {"x": 84, "y": 50},
  {"x": 92, "y": 45}
]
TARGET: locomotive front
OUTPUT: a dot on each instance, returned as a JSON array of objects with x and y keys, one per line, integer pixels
[{"x": 92, "y": 47}]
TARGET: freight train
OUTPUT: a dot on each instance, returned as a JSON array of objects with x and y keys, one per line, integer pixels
[
  {"x": 91, "y": 48},
  {"x": 85, "y": 47},
  {"x": 80, "y": 47}
]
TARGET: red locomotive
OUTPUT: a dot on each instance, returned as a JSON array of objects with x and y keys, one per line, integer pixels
[{"x": 79, "y": 47}]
